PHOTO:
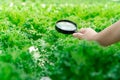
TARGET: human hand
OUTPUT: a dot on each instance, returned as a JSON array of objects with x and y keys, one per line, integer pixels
[{"x": 86, "y": 33}]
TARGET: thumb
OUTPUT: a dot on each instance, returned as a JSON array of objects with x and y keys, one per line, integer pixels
[{"x": 78, "y": 35}]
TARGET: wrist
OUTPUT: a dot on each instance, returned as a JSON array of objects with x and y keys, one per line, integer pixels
[{"x": 98, "y": 38}]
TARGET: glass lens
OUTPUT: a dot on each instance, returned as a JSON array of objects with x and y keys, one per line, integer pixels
[{"x": 67, "y": 26}]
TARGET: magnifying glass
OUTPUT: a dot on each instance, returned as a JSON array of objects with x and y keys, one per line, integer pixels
[{"x": 66, "y": 26}]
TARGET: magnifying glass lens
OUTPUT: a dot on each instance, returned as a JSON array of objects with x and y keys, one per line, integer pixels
[{"x": 66, "y": 26}]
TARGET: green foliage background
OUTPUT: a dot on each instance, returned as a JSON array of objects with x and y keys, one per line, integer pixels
[{"x": 27, "y": 23}]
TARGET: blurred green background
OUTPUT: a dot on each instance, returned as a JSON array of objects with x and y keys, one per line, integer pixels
[{"x": 31, "y": 48}]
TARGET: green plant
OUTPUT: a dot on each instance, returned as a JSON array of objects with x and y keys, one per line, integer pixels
[{"x": 31, "y": 48}]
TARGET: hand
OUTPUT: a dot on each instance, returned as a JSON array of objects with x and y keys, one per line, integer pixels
[{"x": 86, "y": 33}]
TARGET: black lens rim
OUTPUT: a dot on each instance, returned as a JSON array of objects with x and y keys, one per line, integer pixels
[{"x": 63, "y": 31}]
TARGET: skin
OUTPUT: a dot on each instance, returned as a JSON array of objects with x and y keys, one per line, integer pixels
[{"x": 106, "y": 37}]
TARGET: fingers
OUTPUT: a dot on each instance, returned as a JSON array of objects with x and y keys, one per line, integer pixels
[
  {"x": 78, "y": 35},
  {"x": 82, "y": 30}
]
